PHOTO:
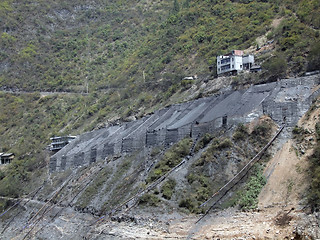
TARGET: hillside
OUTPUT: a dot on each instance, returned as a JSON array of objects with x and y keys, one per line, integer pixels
[
  {"x": 165, "y": 211},
  {"x": 69, "y": 68},
  {"x": 132, "y": 57}
]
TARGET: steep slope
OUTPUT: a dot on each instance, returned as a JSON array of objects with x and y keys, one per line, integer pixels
[
  {"x": 132, "y": 57},
  {"x": 116, "y": 61},
  {"x": 281, "y": 212}
]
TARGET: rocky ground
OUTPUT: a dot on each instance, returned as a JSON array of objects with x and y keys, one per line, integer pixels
[
  {"x": 280, "y": 215},
  {"x": 228, "y": 224}
]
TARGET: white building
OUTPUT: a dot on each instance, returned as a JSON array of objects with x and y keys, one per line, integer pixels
[{"x": 234, "y": 62}]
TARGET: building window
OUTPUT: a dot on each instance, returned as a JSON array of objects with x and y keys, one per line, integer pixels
[
  {"x": 225, "y": 67},
  {"x": 241, "y": 66},
  {"x": 232, "y": 66},
  {"x": 227, "y": 60}
]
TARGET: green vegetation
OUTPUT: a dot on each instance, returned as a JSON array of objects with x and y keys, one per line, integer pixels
[
  {"x": 130, "y": 45},
  {"x": 14, "y": 180},
  {"x": 203, "y": 142},
  {"x": 314, "y": 57},
  {"x": 131, "y": 56},
  {"x": 240, "y": 133},
  {"x": 299, "y": 133},
  {"x": 215, "y": 147},
  {"x": 93, "y": 188},
  {"x": 202, "y": 189},
  {"x": 187, "y": 203},
  {"x": 120, "y": 185},
  {"x": 261, "y": 133},
  {"x": 149, "y": 199},
  {"x": 210, "y": 171},
  {"x": 246, "y": 197},
  {"x": 276, "y": 67},
  {"x": 298, "y": 130},
  {"x": 249, "y": 196},
  {"x": 27, "y": 121},
  {"x": 201, "y": 186},
  {"x": 171, "y": 158},
  {"x": 314, "y": 193},
  {"x": 167, "y": 188}
]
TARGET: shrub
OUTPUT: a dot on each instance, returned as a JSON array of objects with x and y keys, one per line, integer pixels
[
  {"x": 170, "y": 159},
  {"x": 168, "y": 188},
  {"x": 149, "y": 199},
  {"x": 201, "y": 185},
  {"x": 226, "y": 143},
  {"x": 297, "y": 130},
  {"x": 249, "y": 198},
  {"x": 5, "y": 204},
  {"x": 299, "y": 133},
  {"x": 261, "y": 132},
  {"x": 203, "y": 142},
  {"x": 203, "y": 194},
  {"x": 314, "y": 58},
  {"x": 276, "y": 67},
  {"x": 240, "y": 133},
  {"x": 314, "y": 193},
  {"x": 187, "y": 203},
  {"x": 187, "y": 84},
  {"x": 191, "y": 178},
  {"x": 155, "y": 151},
  {"x": 93, "y": 188},
  {"x": 215, "y": 146},
  {"x": 11, "y": 186}
]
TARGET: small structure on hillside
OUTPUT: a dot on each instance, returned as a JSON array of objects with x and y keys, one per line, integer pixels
[
  {"x": 59, "y": 142},
  {"x": 6, "y": 158},
  {"x": 255, "y": 68},
  {"x": 234, "y": 62}
]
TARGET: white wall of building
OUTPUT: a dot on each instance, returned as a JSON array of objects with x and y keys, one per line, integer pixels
[{"x": 229, "y": 63}]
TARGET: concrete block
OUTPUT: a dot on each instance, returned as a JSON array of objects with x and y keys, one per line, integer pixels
[
  {"x": 63, "y": 163},
  {"x": 108, "y": 149},
  {"x": 93, "y": 155},
  {"x": 53, "y": 164},
  {"x": 78, "y": 159}
]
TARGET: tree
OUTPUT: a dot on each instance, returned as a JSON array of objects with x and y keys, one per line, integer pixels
[
  {"x": 176, "y": 6},
  {"x": 314, "y": 58},
  {"x": 186, "y": 4},
  {"x": 276, "y": 67}
]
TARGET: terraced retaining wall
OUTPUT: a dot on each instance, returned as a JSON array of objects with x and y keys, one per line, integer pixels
[{"x": 286, "y": 100}]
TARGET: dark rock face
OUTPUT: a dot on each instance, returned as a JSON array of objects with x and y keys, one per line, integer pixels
[{"x": 284, "y": 101}]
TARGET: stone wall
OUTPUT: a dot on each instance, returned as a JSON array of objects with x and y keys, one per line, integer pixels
[{"x": 284, "y": 101}]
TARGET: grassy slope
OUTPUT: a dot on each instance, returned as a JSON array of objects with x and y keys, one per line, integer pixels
[{"x": 132, "y": 55}]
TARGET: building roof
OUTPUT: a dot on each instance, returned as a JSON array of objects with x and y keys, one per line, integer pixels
[
  {"x": 6, "y": 154},
  {"x": 256, "y": 67},
  {"x": 237, "y": 52},
  {"x": 59, "y": 137}
]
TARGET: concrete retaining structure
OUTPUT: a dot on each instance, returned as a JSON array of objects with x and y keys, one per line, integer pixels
[{"x": 286, "y": 100}]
